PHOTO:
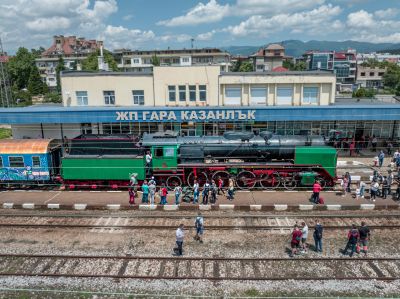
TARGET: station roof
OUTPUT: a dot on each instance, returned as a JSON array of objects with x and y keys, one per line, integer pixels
[{"x": 60, "y": 115}]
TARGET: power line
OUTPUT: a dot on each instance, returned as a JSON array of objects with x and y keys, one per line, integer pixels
[{"x": 5, "y": 89}]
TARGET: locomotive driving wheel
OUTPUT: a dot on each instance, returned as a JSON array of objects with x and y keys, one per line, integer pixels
[
  {"x": 224, "y": 177},
  {"x": 246, "y": 180},
  {"x": 270, "y": 181},
  {"x": 201, "y": 178},
  {"x": 290, "y": 182},
  {"x": 173, "y": 181}
]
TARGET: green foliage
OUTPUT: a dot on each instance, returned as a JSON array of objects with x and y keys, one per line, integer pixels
[
  {"x": 397, "y": 91},
  {"x": 91, "y": 62},
  {"x": 155, "y": 60},
  {"x": 22, "y": 97},
  {"x": 20, "y": 67},
  {"x": 59, "y": 68},
  {"x": 363, "y": 93},
  {"x": 391, "y": 78},
  {"x": 375, "y": 63},
  {"x": 36, "y": 85},
  {"x": 5, "y": 133},
  {"x": 52, "y": 97},
  {"x": 246, "y": 67},
  {"x": 37, "y": 52},
  {"x": 298, "y": 66},
  {"x": 236, "y": 66}
]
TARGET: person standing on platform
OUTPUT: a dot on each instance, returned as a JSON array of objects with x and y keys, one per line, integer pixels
[
  {"x": 318, "y": 231},
  {"x": 206, "y": 193},
  {"x": 145, "y": 190},
  {"x": 316, "y": 190},
  {"x": 196, "y": 191},
  {"x": 152, "y": 191},
  {"x": 180, "y": 235},
  {"x": 231, "y": 189},
  {"x": 178, "y": 192},
  {"x": 163, "y": 194},
  {"x": 131, "y": 192},
  {"x": 220, "y": 184},
  {"x": 214, "y": 190},
  {"x": 381, "y": 157}
]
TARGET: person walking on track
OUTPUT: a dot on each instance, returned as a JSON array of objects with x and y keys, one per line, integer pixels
[
  {"x": 318, "y": 230},
  {"x": 365, "y": 236},
  {"x": 199, "y": 225},
  {"x": 296, "y": 239},
  {"x": 180, "y": 235},
  {"x": 352, "y": 240}
]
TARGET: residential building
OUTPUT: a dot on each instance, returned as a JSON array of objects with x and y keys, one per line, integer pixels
[
  {"x": 370, "y": 77},
  {"x": 4, "y": 58},
  {"x": 343, "y": 64},
  {"x": 381, "y": 57},
  {"x": 268, "y": 58},
  {"x": 141, "y": 60},
  {"x": 72, "y": 49}
]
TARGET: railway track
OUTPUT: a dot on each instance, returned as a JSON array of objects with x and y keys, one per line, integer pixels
[
  {"x": 212, "y": 222},
  {"x": 216, "y": 269}
]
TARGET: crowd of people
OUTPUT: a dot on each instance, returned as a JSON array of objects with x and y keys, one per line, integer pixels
[
  {"x": 208, "y": 193},
  {"x": 357, "y": 239}
]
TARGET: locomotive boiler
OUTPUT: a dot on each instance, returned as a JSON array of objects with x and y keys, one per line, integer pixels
[{"x": 234, "y": 145}]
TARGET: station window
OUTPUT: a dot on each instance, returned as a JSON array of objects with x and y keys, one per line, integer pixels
[
  {"x": 171, "y": 93},
  {"x": 284, "y": 95},
  {"x": 310, "y": 95},
  {"x": 233, "y": 95},
  {"x": 35, "y": 161},
  {"x": 16, "y": 162},
  {"x": 1, "y": 162},
  {"x": 138, "y": 97},
  {"x": 158, "y": 152},
  {"x": 258, "y": 95},
  {"x": 169, "y": 152},
  {"x": 109, "y": 97},
  {"x": 203, "y": 93},
  {"x": 81, "y": 98},
  {"x": 192, "y": 93},
  {"x": 182, "y": 93}
]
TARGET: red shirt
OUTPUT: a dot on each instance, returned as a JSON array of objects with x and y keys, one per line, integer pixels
[
  {"x": 219, "y": 183},
  {"x": 317, "y": 188},
  {"x": 296, "y": 236},
  {"x": 164, "y": 191}
]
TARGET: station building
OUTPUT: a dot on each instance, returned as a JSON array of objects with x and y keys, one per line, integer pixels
[{"x": 202, "y": 100}]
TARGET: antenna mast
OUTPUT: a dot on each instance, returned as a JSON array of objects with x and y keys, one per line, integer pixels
[{"x": 5, "y": 89}]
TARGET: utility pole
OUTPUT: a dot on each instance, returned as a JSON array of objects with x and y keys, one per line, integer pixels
[
  {"x": 5, "y": 86},
  {"x": 192, "y": 42}
]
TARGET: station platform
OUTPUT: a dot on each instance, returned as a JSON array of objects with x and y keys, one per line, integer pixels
[{"x": 264, "y": 200}]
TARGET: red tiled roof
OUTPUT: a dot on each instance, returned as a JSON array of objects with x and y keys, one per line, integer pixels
[
  {"x": 279, "y": 69},
  {"x": 4, "y": 58}
]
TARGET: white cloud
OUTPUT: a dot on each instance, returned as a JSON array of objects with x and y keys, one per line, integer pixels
[
  {"x": 206, "y": 36},
  {"x": 42, "y": 24},
  {"x": 213, "y": 11},
  {"x": 312, "y": 21},
  {"x": 386, "y": 13},
  {"x": 122, "y": 37},
  {"x": 201, "y": 13},
  {"x": 376, "y": 38},
  {"x": 361, "y": 19},
  {"x": 180, "y": 38},
  {"x": 127, "y": 17}
]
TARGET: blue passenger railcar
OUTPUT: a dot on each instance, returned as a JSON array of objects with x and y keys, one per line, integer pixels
[{"x": 29, "y": 160}]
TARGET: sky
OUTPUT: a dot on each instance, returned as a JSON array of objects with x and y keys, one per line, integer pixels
[{"x": 159, "y": 24}]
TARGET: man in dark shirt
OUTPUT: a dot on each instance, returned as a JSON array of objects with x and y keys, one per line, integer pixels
[
  {"x": 365, "y": 235},
  {"x": 352, "y": 239},
  {"x": 318, "y": 230}
]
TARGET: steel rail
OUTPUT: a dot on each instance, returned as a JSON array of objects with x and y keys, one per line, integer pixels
[{"x": 215, "y": 261}]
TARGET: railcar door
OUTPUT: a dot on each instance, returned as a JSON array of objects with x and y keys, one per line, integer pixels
[{"x": 164, "y": 157}]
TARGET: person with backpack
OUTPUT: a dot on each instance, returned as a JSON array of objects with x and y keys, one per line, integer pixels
[
  {"x": 206, "y": 192},
  {"x": 385, "y": 188},
  {"x": 296, "y": 238},
  {"x": 214, "y": 190},
  {"x": 352, "y": 240},
  {"x": 178, "y": 192},
  {"x": 199, "y": 225},
  {"x": 318, "y": 230},
  {"x": 365, "y": 236}
]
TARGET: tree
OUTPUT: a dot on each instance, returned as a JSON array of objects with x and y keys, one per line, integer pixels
[
  {"x": 236, "y": 66},
  {"x": 20, "y": 68},
  {"x": 59, "y": 68},
  {"x": 246, "y": 66},
  {"x": 91, "y": 62},
  {"x": 155, "y": 60},
  {"x": 298, "y": 66},
  {"x": 36, "y": 85},
  {"x": 391, "y": 78},
  {"x": 363, "y": 93},
  {"x": 37, "y": 52}
]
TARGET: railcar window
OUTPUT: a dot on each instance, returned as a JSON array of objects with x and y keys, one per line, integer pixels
[
  {"x": 1, "y": 162},
  {"x": 169, "y": 152},
  {"x": 159, "y": 152},
  {"x": 35, "y": 161},
  {"x": 16, "y": 162}
]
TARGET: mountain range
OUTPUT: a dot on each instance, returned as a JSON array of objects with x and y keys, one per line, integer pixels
[{"x": 296, "y": 48}]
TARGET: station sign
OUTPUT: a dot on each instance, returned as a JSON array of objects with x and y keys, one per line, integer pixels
[{"x": 186, "y": 115}]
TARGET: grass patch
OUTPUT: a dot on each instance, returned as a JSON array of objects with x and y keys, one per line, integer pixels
[{"x": 5, "y": 133}]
